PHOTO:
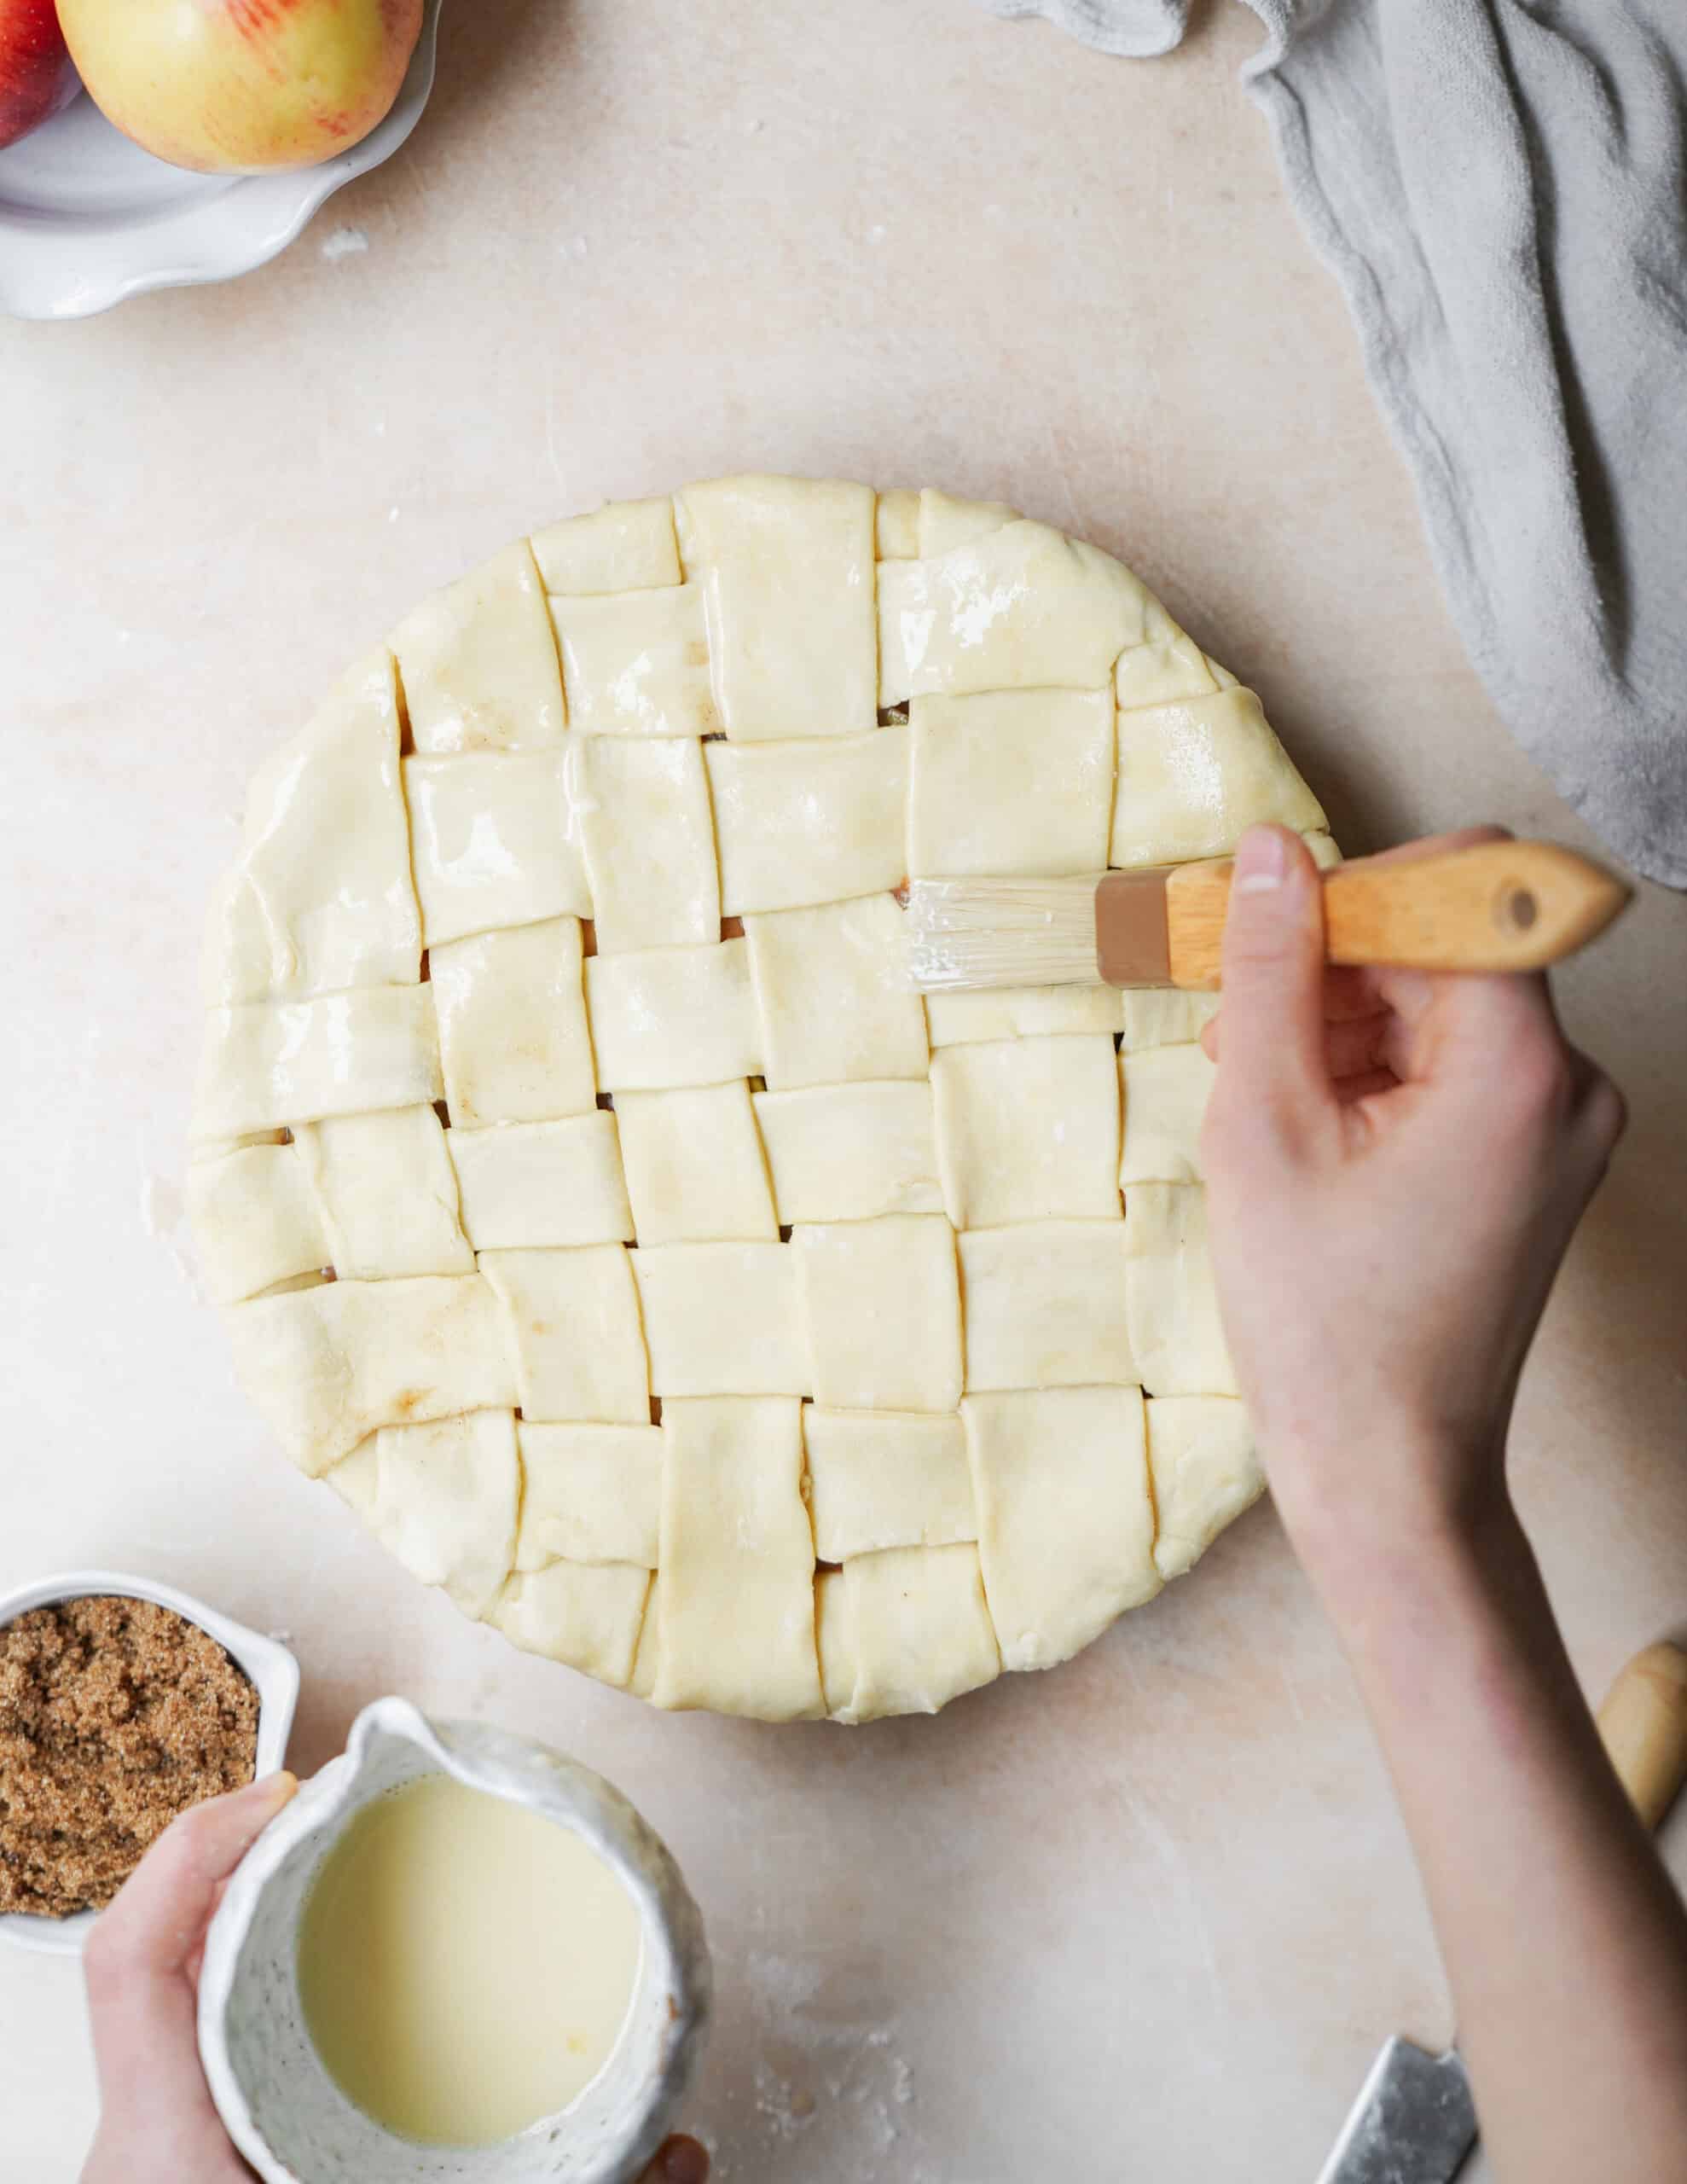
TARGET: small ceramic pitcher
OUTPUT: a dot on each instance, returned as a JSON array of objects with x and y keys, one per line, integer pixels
[{"x": 280, "y": 2105}]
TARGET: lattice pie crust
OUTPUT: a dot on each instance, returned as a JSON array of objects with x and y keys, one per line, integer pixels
[{"x": 589, "y": 1201}]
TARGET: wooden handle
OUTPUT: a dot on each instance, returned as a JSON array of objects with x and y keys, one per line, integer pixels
[
  {"x": 1499, "y": 906},
  {"x": 1643, "y": 1723}
]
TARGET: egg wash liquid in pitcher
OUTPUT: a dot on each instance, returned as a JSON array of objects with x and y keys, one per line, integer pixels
[{"x": 464, "y": 1965}]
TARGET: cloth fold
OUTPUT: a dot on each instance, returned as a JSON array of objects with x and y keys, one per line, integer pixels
[{"x": 1500, "y": 187}]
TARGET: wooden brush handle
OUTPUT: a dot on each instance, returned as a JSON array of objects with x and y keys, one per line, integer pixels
[
  {"x": 1499, "y": 906},
  {"x": 1644, "y": 1726}
]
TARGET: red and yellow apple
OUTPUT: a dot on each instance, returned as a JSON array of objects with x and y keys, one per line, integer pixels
[
  {"x": 242, "y": 86},
  {"x": 36, "y": 75}
]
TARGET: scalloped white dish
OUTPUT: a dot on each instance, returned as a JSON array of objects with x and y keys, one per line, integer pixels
[{"x": 87, "y": 219}]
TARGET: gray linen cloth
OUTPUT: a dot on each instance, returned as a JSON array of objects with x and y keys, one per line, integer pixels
[{"x": 1500, "y": 187}]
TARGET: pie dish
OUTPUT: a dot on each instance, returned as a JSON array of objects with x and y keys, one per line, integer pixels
[{"x": 589, "y": 1200}]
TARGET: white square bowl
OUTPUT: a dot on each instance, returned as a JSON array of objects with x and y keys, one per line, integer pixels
[{"x": 270, "y": 1668}]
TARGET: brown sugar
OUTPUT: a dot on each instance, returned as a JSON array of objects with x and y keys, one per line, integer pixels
[{"x": 115, "y": 1715}]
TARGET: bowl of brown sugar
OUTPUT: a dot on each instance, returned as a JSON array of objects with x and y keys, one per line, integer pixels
[{"x": 121, "y": 1703}]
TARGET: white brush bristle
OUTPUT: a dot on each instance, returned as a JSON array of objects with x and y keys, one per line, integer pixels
[{"x": 1001, "y": 932}]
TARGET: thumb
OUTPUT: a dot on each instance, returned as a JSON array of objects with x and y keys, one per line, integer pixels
[
  {"x": 678, "y": 2161},
  {"x": 138, "y": 1953},
  {"x": 139, "y": 1992},
  {"x": 1271, "y": 1048},
  {"x": 158, "y": 1918}
]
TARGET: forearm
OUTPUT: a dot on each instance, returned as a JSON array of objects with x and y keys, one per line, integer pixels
[{"x": 1564, "y": 1942}]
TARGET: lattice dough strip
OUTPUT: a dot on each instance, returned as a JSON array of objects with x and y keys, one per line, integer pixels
[
  {"x": 735, "y": 1582},
  {"x": 1028, "y": 1129},
  {"x": 590, "y": 1494},
  {"x": 918, "y": 1632},
  {"x": 530, "y": 1185},
  {"x": 880, "y": 1479},
  {"x": 722, "y": 1320},
  {"x": 442, "y": 1498},
  {"x": 1019, "y": 608},
  {"x": 1161, "y": 1016},
  {"x": 320, "y": 897},
  {"x": 255, "y": 1220},
  {"x": 897, "y": 525},
  {"x": 1165, "y": 1090},
  {"x": 969, "y": 1020},
  {"x": 479, "y": 661},
  {"x": 662, "y": 1017},
  {"x": 1206, "y": 1472},
  {"x": 695, "y": 1170},
  {"x": 1171, "y": 1302},
  {"x": 881, "y": 1312},
  {"x": 268, "y": 1065},
  {"x": 1010, "y": 781},
  {"x": 1046, "y": 1305},
  {"x": 623, "y": 546},
  {"x": 1167, "y": 665},
  {"x": 637, "y": 663},
  {"x": 1193, "y": 775},
  {"x": 832, "y": 992},
  {"x": 589, "y": 1615},
  {"x": 835, "y": 1641},
  {"x": 513, "y": 1041},
  {"x": 575, "y": 1333},
  {"x": 492, "y": 842},
  {"x": 388, "y": 1194},
  {"x": 851, "y": 1151},
  {"x": 329, "y": 1365},
  {"x": 805, "y": 823},
  {"x": 1065, "y": 1520},
  {"x": 946, "y": 522},
  {"x": 648, "y": 837},
  {"x": 647, "y": 1654},
  {"x": 788, "y": 567}
]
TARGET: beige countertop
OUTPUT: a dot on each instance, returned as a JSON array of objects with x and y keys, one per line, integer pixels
[{"x": 1150, "y": 1914}]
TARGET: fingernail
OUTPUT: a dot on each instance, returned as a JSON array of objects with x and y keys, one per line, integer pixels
[
  {"x": 1262, "y": 860},
  {"x": 268, "y": 1790},
  {"x": 684, "y": 2161}
]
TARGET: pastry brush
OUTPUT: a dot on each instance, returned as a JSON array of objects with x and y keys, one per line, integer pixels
[{"x": 1490, "y": 906}]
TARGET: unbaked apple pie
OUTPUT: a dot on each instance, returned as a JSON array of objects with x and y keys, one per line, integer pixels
[{"x": 590, "y": 1200}]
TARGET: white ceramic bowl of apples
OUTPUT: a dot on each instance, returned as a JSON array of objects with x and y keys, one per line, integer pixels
[{"x": 229, "y": 126}]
